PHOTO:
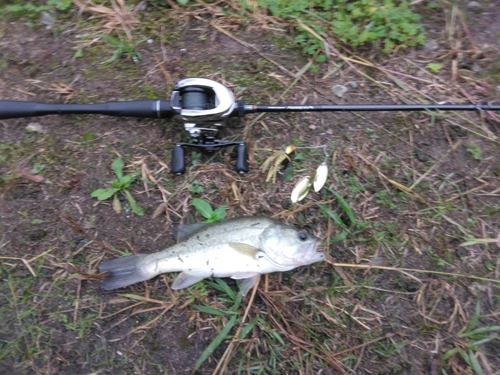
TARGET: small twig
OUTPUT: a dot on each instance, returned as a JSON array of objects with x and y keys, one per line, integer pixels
[
  {"x": 386, "y": 336},
  {"x": 77, "y": 228},
  {"x": 404, "y": 270},
  {"x": 435, "y": 165}
]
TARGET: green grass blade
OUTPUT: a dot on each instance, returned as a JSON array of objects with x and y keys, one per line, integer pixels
[
  {"x": 479, "y": 331},
  {"x": 223, "y": 287},
  {"x": 246, "y": 329},
  {"x": 237, "y": 302},
  {"x": 475, "y": 364},
  {"x": 449, "y": 354},
  {"x": 475, "y": 318},
  {"x": 216, "y": 342},
  {"x": 483, "y": 341},
  {"x": 336, "y": 218},
  {"x": 345, "y": 206},
  {"x": 212, "y": 311}
]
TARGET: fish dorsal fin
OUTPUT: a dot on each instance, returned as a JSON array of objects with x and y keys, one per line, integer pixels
[
  {"x": 244, "y": 249},
  {"x": 183, "y": 231}
]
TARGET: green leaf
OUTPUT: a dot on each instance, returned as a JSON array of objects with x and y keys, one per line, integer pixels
[
  {"x": 195, "y": 187},
  {"x": 216, "y": 342},
  {"x": 126, "y": 180},
  {"x": 212, "y": 311},
  {"x": 37, "y": 168},
  {"x": 103, "y": 194},
  {"x": 434, "y": 67},
  {"x": 118, "y": 167},
  {"x": 133, "y": 204},
  {"x": 203, "y": 207},
  {"x": 219, "y": 213}
]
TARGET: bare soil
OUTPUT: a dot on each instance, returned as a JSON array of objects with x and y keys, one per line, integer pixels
[{"x": 57, "y": 320}]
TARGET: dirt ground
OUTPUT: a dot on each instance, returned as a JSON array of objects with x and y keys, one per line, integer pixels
[{"x": 318, "y": 319}]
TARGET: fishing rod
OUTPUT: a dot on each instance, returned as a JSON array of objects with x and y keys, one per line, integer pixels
[{"x": 203, "y": 107}]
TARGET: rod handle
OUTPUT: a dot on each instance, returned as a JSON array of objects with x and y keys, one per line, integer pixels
[
  {"x": 135, "y": 108},
  {"x": 16, "y": 109}
]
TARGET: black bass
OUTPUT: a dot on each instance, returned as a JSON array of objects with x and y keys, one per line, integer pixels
[{"x": 243, "y": 248}]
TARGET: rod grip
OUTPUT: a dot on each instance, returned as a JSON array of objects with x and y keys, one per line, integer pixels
[
  {"x": 17, "y": 109},
  {"x": 134, "y": 108},
  {"x": 242, "y": 159},
  {"x": 178, "y": 165}
]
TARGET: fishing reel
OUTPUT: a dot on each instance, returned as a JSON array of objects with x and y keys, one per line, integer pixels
[{"x": 203, "y": 107}]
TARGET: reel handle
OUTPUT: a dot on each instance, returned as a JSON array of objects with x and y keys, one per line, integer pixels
[
  {"x": 242, "y": 159},
  {"x": 178, "y": 165}
]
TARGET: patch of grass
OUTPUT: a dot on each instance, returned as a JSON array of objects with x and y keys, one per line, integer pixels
[
  {"x": 389, "y": 24},
  {"x": 27, "y": 8},
  {"x": 123, "y": 47},
  {"x": 469, "y": 342}
]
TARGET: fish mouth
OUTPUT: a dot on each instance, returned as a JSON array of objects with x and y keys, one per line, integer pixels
[
  {"x": 310, "y": 254},
  {"x": 307, "y": 254}
]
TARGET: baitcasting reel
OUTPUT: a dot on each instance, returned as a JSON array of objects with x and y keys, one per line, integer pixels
[{"x": 203, "y": 107}]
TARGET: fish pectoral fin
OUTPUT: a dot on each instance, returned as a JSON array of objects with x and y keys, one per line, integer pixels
[
  {"x": 184, "y": 279},
  {"x": 249, "y": 283},
  {"x": 244, "y": 249}
]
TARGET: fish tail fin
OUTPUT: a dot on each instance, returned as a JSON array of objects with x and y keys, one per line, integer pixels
[{"x": 123, "y": 272}]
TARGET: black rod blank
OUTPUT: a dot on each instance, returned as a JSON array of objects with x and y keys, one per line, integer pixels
[{"x": 371, "y": 107}]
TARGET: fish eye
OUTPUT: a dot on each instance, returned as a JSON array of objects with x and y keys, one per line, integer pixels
[{"x": 302, "y": 236}]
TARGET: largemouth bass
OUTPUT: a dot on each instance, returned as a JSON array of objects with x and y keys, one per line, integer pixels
[{"x": 241, "y": 248}]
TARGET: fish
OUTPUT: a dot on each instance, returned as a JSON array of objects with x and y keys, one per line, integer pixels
[{"x": 241, "y": 248}]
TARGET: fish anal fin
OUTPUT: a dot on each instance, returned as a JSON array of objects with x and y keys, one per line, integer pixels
[
  {"x": 249, "y": 283},
  {"x": 244, "y": 249},
  {"x": 184, "y": 279}
]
